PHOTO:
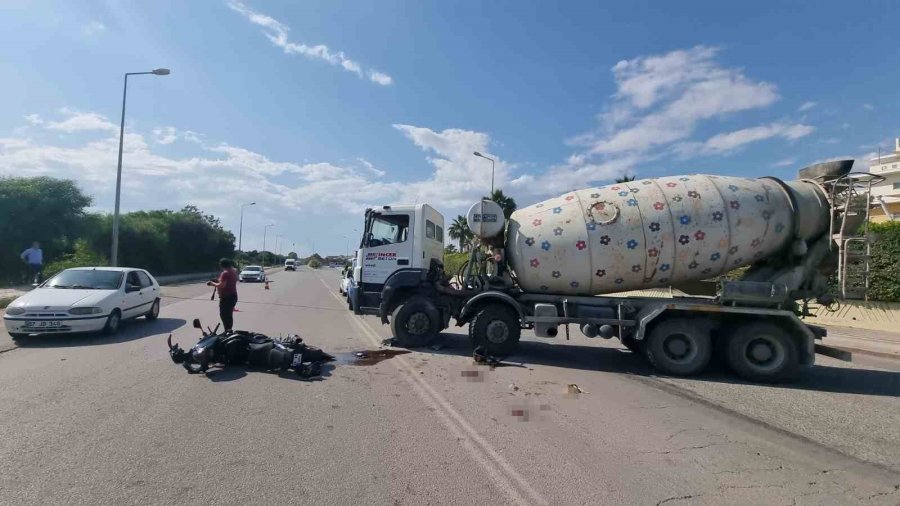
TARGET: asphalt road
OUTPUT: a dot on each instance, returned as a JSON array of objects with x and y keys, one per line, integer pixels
[{"x": 101, "y": 420}]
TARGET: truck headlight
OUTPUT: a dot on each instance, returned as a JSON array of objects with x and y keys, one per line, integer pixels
[
  {"x": 15, "y": 311},
  {"x": 85, "y": 310}
]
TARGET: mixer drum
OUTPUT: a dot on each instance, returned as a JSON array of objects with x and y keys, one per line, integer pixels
[{"x": 647, "y": 233}]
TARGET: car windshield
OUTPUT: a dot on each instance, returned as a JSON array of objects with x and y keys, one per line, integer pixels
[
  {"x": 85, "y": 279},
  {"x": 253, "y": 268}
]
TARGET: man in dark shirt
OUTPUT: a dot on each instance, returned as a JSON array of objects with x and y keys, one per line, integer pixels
[{"x": 227, "y": 287}]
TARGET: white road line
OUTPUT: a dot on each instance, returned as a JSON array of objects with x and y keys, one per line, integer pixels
[{"x": 477, "y": 446}]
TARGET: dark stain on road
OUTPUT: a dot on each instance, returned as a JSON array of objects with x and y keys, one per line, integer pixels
[{"x": 370, "y": 357}]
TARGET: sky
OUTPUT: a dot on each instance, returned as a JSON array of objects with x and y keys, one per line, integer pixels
[{"x": 316, "y": 110}]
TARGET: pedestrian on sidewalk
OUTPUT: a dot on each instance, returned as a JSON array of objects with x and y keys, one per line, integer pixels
[
  {"x": 227, "y": 288},
  {"x": 34, "y": 260}
]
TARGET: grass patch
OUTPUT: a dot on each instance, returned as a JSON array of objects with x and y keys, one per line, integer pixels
[{"x": 5, "y": 301}]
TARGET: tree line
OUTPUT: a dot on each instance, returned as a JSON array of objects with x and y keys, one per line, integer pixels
[{"x": 55, "y": 213}]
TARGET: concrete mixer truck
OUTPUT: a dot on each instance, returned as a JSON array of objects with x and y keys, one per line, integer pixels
[{"x": 565, "y": 261}]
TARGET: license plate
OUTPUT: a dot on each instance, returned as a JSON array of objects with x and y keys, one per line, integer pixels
[
  {"x": 298, "y": 359},
  {"x": 43, "y": 324}
]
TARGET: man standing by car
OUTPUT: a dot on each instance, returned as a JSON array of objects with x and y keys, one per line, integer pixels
[
  {"x": 34, "y": 259},
  {"x": 227, "y": 287}
]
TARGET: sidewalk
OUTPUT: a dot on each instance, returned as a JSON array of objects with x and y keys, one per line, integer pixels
[
  {"x": 14, "y": 291},
  {"x": 874, "y": 342}
]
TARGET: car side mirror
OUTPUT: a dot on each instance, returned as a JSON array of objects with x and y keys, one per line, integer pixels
[{"x": 197, "y": 324}]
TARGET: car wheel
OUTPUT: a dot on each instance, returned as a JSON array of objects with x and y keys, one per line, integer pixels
[
  {"x": 762, "y": 351},
  {"x": 679, "y": 346},
  {"x": 154, "y": 311},
  {"x": 17, "y": 335},
  {"x": 496, "y": 327},
  {"x": 112, "y": 323},
  {"x": 415, "y": 323}
]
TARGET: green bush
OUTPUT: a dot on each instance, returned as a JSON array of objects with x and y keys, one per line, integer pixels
[
  {"x": 82, "y": 256},
  {"x": 453, "y": 261},
  {"x": 884, "y": 280},
  {"x": 314, "y": 264}
]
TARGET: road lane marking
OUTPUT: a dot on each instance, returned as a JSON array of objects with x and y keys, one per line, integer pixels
[{"x": 478, "y": 447}]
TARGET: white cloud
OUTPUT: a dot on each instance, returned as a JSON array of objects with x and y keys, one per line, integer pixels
[
  {"x": 371, "y": 168},
  {"x": 731, "y": 141},
  {"x": 683, "y": 88},
  {"x": 277, "y": 33},
  {"x": 93, "y": 28},
  {"x": 380, "y": 78},
  {"x": 79, "y": 121},
  {"x": 34, "y": 120},
  {"x": 660, "y": 102},
  {"x": 786, "y": 162},
  {"x": 868, "y": 107},
  {"x": 806, "y": 106},
  {"x": 459, "y": 177},
  {"x": 170, "y": 134}
]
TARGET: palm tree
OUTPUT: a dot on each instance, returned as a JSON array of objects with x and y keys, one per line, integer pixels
[
  {"x": 508, "y": 204},
  {"x": 624, "y": 179},
  {"x": 459, "y": 230}
]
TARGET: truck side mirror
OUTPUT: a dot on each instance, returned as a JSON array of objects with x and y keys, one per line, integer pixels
[{"x": 197, "y": 324}]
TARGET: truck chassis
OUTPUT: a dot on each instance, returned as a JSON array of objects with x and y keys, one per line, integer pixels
[{"x": 759, "y": 339}]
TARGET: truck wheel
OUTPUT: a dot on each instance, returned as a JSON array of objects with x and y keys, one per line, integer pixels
[
  {"x": 679, "y": 347},
  {"x": 496, "y": 327},
  {"x": 761, "y": 351},
  {"x": 415, "y": 323}
]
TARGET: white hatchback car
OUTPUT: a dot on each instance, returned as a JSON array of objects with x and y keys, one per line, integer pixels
[
  {"x": 252, "y": 273},
  {"x": 85, "y": 299}
]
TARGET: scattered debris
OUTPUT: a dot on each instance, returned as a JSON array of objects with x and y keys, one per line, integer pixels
[
  {"x": 437, "y": 347},
  {"x": 472, "y": 376},
  {"x": 513, "y": 387},
  {"x": 575, "y": 389},
  {"x": 389, "y": 341}
]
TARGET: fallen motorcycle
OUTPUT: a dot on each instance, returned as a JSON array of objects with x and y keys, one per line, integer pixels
[{"x": 249, "y": 348}]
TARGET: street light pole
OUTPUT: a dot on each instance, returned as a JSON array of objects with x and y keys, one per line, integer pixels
[
  {"x": 114, "y": 253},
  {"x": 492, "y": 169},
  {"x": 241, "y": 229},
  {"x": 265, "y": 229}
]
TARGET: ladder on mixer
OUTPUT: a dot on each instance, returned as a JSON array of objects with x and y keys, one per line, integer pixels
[{"x": 851, "y": 196}]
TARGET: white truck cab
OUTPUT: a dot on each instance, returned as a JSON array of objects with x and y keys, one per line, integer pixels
[{"x": 394, "y": 238}]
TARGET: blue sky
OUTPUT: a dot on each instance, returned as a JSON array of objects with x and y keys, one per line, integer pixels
[{"x": 317, "y": 109}]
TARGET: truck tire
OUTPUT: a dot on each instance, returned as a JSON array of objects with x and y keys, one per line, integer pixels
[
  {"x": 762, "y": 351},
  {"x": 415, "y": 323},
  {"x": 678, "y": 346},
  {"x": 496, "y": 327}
]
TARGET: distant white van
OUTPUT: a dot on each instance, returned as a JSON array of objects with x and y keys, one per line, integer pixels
[{"x": 290, "y": 264}]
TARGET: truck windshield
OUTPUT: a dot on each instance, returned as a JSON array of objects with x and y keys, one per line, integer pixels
[{"x": 391, "y": 229}]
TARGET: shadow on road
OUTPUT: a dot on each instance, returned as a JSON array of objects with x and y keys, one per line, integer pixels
[
  {"x": 821, "y": 378},
  {"x": 130, "y": 330},
  {"x": 236, "y": 372}
]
